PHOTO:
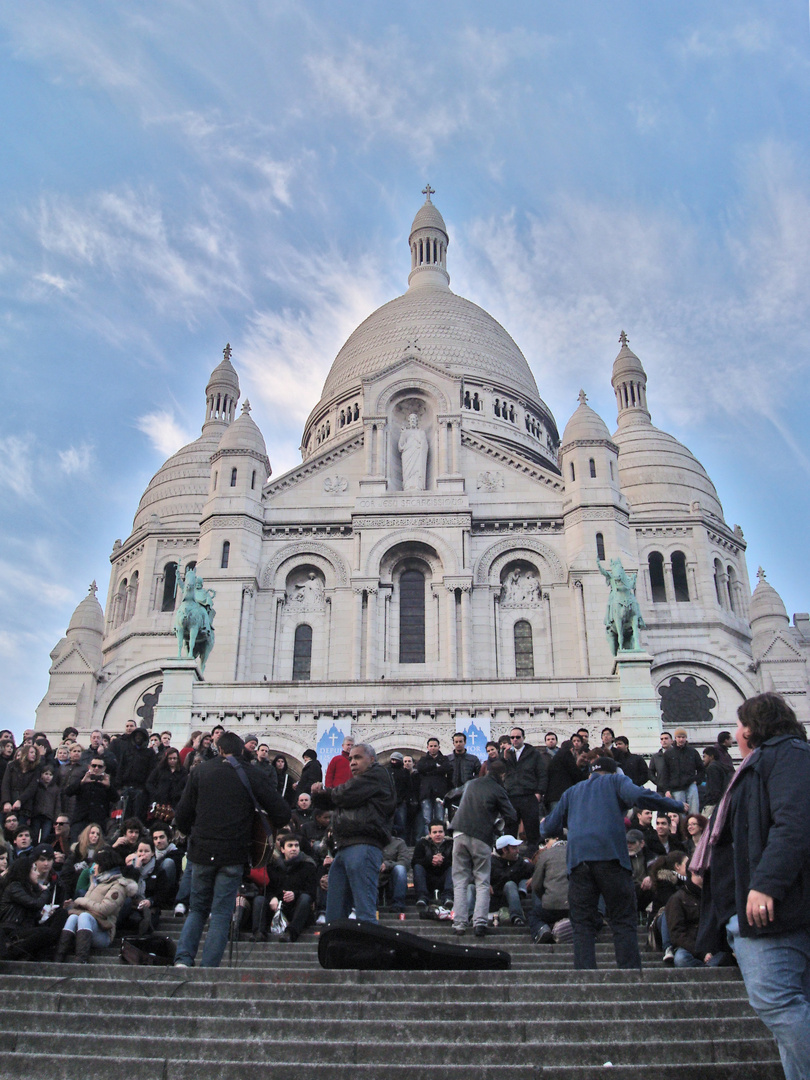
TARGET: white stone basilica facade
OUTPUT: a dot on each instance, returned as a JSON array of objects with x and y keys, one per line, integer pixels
[{"x": 432, "y": 559}]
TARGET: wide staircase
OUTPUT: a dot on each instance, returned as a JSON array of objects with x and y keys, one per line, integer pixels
[{"x": 274, "y": 1009}]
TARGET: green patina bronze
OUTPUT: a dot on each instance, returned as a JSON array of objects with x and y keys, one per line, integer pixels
[
  {"x": 194, "y": 619},
  {"x": 623, "y": 618}
]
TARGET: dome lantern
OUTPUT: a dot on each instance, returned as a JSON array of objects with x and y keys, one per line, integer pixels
[
  {"x": 222, "y": 392},
  {"x": 428, "y": 243},
  {"x": 629, "y": 382}
]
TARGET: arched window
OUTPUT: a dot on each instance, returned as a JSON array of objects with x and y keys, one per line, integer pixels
[
  {"x": 659, "y": 589},
  {"x": 732, "y": 588},
  {"x": 679, "y": 579},
  {"x": 573, "y": 471},
  {"x": 719, "y": 583},
  {"x": 132, "y": 596},
  {"x": 592, "y": 467},
  {"x": 226, "y": 555},
  {"x": 600, "y": 547},
  {"x": 302, "y": 653},
  {"x": 169, "y": 586},
  {"x": 412, "y": 617},
  {"x": 524, "y": 652},
  {"x": 233, "y": 477}
]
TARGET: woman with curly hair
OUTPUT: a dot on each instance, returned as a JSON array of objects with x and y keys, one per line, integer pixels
[
  {"x": 20, "y": 782},
  {"x": 82, "y": 853},
  {"x": 755, "y": 861}
]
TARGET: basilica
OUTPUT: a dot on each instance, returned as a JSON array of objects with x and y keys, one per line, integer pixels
[{"x": 434, "y": 563}]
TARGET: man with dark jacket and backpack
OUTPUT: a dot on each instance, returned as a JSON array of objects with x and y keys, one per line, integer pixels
[{"x": 216, "y": 812}]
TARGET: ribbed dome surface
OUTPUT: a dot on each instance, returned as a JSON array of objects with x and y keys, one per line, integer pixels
[
  {"x": 428, "y": 217},
  {"x": 87, "y": 616},
  {"x": 658, "y": 474},
  {"x": 585, "y": 424},
  {"x": 178, "y": 490},
  {"x": 450, "y": 331},
  {"x": 766, "y": 603},
  {"x": 243, "y": 434}
]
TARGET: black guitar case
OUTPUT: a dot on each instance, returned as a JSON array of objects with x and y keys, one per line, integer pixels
[{"x": 368, "y": 946}]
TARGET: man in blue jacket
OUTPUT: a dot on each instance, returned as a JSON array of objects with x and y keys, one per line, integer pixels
[{"x": 598, "y": 861}]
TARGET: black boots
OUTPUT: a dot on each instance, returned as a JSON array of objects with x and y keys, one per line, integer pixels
[
  {"x": 65, "y": 946},
  {"x": 84, "y": 943}
]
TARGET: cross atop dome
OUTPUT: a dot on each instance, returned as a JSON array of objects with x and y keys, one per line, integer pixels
[
  {"x": 761, "y": 574},
  {"x": 623, "y": 339},
  {"x": 93, "y": 587},
  {"x": 246, "y": 408},
  {"x": 427, "y": 191},
  {"x": 227, "y": 352},
  {"x": 582, "y": 397}
]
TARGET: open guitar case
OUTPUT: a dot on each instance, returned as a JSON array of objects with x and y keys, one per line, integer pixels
[{"x": 367, "y": 946}]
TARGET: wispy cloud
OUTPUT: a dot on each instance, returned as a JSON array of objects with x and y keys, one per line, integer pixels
[
  {"x": 711, "y": 43},
  {"x": 125, "y": 234},
  {"x": 76, "y": 459},
  {"x": 17, "y": 465},
  {"x": 163, "y": 431}
]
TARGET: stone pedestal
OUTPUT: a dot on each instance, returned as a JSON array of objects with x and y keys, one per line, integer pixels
[
  {"x": 173, "y": 710},
  {"x": 641, "y": 713}
]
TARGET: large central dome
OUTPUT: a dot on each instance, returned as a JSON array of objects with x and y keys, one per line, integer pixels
[
  {"x": 442, "y": 328},
  {"x": 450, "y": 332}
]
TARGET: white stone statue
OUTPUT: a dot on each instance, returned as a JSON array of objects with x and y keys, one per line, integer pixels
[
  {"x": 413, "y": 447},
  {"x": 521, "y": 589},
  {"x": 309, "y": 594}
]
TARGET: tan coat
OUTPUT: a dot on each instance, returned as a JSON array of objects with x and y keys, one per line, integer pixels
[{"x": 105, "y": 898}]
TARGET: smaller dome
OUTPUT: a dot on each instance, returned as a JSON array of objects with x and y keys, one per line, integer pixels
[
  {"x": 428, "y": 217},
  {"x": 88, "y": 617},
  {"x": 626, "y": 362},
  {"x": 243, "y": 434},
  {"x": 224, "y": 375},
  {"x": 584, "y": 424},
  {"x": 766, "y": 603}
]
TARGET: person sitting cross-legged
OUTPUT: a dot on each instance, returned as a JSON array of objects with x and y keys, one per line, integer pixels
[
  {"x": 394, "y": 874},
  {"x": 508, "y": 878},
  {"x": 291, "y": 886},
  {"x": 432, "y": 865}
]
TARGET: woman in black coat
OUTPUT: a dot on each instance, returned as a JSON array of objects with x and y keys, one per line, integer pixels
[
  {"x": 30, "y": 886},
  {"x": 167, "y": 781},
  {"x": 284, "y": 780},
  {"x": 19, "y": 784}
]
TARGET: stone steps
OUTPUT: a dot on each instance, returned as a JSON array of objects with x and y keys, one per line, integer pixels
[{"x": 279, "y": 1009}]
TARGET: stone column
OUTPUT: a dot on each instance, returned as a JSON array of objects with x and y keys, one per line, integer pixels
[
  {"x": 245, "y": 639},
  {"x": 640, "y": 710},
  {"x": 466, "y": 632},
  {"x": 357, "y": 635},
  {"x": 669, "y": 581},
  {"x": 582, "y": 627},
  {"x": 371, "y": 634},
  {"x": 450, "y": 623}
]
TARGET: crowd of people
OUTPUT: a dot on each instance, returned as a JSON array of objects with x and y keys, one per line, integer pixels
[{"x": 561, "y": 838}]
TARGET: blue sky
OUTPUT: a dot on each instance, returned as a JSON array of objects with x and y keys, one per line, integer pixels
[{"x": 177, "y": 175}]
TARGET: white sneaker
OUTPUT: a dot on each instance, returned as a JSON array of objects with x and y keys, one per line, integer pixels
[
  {"x": 669, "y": 955},
  {"x": 179, "y": 911},
  {"x": 352, "y": 914},
  {"x": 181, "y": 965},
  {"x": 320, "y": 920}
]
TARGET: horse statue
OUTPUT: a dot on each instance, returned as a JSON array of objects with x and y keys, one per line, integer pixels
[
  {"x": 623, "y": 618},
  {"x": 193, "y": 620}
]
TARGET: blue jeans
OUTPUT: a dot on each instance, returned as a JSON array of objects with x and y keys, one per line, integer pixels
[
  {"x": 688, "y": 795},
  {"x": 212, "y": 890},
  {"x": 85, "y": 921},
  {"x": 541, "y": 918},
  {"x": 776, "y": 970},
  {"x": 397, "y": 886},
  {"x": 400, "y": 824},
  {"x": 432, "y": 810},
  {"x": 683, "y": 958},
  {"x": 426, "y": 884},
  {"x": 354, "y": 878},
  {"x": 511, "y": 898}
]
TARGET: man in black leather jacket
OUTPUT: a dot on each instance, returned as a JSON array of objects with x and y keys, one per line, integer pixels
[{"x": 361, "y": 825}]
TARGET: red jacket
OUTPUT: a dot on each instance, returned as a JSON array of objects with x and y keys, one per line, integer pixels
[{"x": 338, "y": 770}]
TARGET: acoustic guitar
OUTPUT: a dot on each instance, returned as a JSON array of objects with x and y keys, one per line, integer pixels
[{"x": 264, "y": 838}]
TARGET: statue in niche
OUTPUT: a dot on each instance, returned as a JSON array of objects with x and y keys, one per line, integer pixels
[
  {"x": 521, "y": 589},
  {"x": 309, "y": 594},
  {"x": 623, "y": 618},
  {"x": 413, "y": 448}
]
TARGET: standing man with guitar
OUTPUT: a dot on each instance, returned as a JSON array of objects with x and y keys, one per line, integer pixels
[{"x": 217, "y": 813}]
